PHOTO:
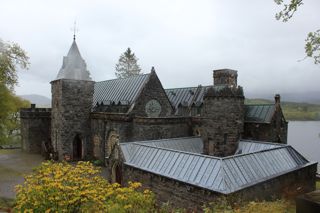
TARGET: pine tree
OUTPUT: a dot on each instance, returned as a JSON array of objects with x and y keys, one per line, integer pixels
[{"x": 127, "y": 65}]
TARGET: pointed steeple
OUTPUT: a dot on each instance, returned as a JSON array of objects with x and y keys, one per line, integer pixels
[{"x": 73, "y": 66}]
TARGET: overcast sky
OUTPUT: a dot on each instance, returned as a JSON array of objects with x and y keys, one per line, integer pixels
[{"x": 184, "y": 40}]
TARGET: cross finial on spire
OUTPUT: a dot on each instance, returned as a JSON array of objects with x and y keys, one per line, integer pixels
[{"x": 74, "y": 29}]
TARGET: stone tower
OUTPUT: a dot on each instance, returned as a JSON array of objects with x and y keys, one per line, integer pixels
[
  {"x": 223, "y": 114},
  {"x": 72, "y": 93}
]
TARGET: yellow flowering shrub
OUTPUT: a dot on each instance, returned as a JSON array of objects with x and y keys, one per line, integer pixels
[{"x": 61, "y": 187}]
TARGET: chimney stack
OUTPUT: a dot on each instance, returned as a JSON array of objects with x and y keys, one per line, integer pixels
[
  {"x": 277, "y": 99},
  {"x": 225, "y": 77}
]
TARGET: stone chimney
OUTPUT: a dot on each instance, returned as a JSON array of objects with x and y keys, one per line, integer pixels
[
  {"x": 223, "y": 114},
  {"x": 225, "y": 77},
  {"x": 277, "y": 99}
]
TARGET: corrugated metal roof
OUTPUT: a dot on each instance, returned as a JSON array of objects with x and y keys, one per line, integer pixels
[
  {"x": 249, "y": 146},
  {"x": 186, "y": 96},
  {"x": 224, "y": 175},
  {"x": 259, "y": 113},
  {"x": 122, "y": 90},
  {"x": 189, "y": 96},
  {"x": 187, "y": 144}
]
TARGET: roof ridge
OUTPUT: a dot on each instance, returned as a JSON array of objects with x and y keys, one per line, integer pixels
[
  {"x": 115, "y": 79},
  {"x": 166, "y": 139},
  {"x": 186, "y": 87},
  {"x": 173, "y": 150}
]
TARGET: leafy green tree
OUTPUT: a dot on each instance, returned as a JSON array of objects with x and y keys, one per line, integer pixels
[
  {"x": 312, "y": 45},
  {"x": 127, "y": 65},
  {"x": 9, "y": 116},
  {"x": 11, "y": 57}
]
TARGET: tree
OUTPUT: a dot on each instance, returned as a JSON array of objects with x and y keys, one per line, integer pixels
[
  {"x": 62, "y": 187},
  {"x": 127, "y": 65},
  {"x": 9, "y": 116},
  {"x": 312, "y": 45},
  {"x": 11, "y": 56}
]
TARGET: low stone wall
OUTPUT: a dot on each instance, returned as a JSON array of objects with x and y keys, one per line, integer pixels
[
  {"x": 35, "y": 128},
  {"x": 184, "y": 195}
]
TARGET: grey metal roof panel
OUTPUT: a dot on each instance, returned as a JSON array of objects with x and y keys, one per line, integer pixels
[
  {"x": 249, "y": 146},
  {"x": 186, "y": 96},
  {"x": 187, "y": 144},
  {"x": 259, "y": 162},
  {"x": 259, "y": 113},
  {"x": 122, "y": 90}
]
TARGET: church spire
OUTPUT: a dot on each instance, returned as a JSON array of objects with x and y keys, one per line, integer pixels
[{"x": 73, "y": 66}]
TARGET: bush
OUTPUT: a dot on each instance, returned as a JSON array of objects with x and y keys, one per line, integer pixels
[{"x": 61, "y": 187}]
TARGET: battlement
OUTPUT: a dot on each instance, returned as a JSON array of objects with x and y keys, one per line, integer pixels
[{"x": 34, "y": 112}]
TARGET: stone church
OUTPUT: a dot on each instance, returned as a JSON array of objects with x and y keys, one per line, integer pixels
[{"x": 187, "y": 144}]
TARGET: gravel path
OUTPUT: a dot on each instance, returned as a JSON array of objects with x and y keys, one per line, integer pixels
[{"x": 13, "y": 165}]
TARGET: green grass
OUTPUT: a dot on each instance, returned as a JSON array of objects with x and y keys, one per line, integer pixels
[{"x": 318, "y": 185}]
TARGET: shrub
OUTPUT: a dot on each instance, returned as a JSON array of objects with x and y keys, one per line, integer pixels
[{"x": 61, "y": 187}]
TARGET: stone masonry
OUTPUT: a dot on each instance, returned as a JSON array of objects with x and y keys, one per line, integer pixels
[
  {"x": 71, "y": 106},
  {"x": 222, "y": 119},
  {"x": 191, "y": 197},
  {"x": 35, "y": 128}
]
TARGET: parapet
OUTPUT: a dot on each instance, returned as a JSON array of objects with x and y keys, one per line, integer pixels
[{"x": 34, "y": 112}]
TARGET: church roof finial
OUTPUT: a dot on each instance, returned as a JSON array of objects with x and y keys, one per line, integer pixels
[{"x": 74, "y": 29}]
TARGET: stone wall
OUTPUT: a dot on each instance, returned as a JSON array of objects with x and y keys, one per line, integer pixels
[
  {"x": 222, "y": 120},
  {"x": 265, "y": 132},
  {"x": 71, "y": 107},
  {"x": 152, "y": 90},
  {"x": 275, "y": 131},
  {"x": 134, "y": 129},
  {"x": 35, "y": 128},
  {"x": 184, "y": 195}
]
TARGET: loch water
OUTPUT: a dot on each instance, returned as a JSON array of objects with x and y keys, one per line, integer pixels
[{"x": 304, "y": 136}]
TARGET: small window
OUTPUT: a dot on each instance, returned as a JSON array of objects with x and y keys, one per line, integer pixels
[{"x": 225, "y": 138}]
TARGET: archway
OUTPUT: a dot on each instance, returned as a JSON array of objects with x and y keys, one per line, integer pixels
[{"x": 77, "y": 148}]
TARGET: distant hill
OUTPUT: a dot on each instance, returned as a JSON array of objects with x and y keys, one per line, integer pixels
[
  {"x": 39, "y": 100},
  {"x": 312, "y": 97},
  {"x": 293, "y": 110}
]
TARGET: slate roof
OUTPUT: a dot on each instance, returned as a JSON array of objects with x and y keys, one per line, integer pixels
[
  {"x": 122, "y": 90},
  {"x": 262, "y": 113},
  {"x": 186, "y": 96},
  {"x": 189, "y": 96},
  {"x": 73, "y": 66},
  {"x": 249, "y": 146},
  {"x": 224, "y": 175}
]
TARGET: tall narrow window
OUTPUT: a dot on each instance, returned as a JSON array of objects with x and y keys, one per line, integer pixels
[{"x": 225, "y": 138}]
